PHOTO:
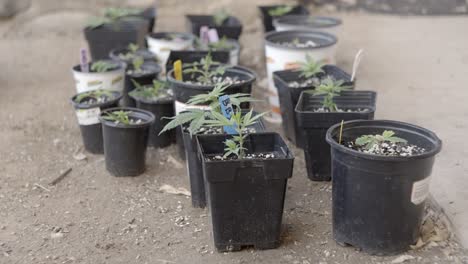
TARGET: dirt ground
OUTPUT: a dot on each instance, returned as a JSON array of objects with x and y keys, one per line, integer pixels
[{"x": 92, "y": 217}]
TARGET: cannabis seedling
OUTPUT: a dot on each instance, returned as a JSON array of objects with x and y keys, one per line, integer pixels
[
  {"x": 222, "y": 44},
  {"x": 369, "y": 141},
  {"x": 117, "y": 117},
  {"x": 95, "y": 94},
  {"x": 280, "y": 10},
  {"x": 206, "y": 68},
  {"x": 103, "y": 66},
  {"x": 137, "y": 62},
  {"x": 154, "y": 91},
  {"x": 235, "y": 146},
  {"x": 220, "y": 16},
  {"x": 112, "y": 15},
  {"x": 329, "y": 89},
  {"x": 198, "y": 118},
  {"x": 310, "y": 67}
]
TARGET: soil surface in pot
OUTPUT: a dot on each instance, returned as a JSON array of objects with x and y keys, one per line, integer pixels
[
  {"x": 95, "y": 100},
  {"x": 263, "y": 156},
  {"x": 312, "y": 81},
  {"x": 340, "y": 110},
  {"x": 398, "y": 149},
  {"x": 296, "y": 43},
  {"x": 205, "y": 130},
  {"x": 218, "y": 79}
]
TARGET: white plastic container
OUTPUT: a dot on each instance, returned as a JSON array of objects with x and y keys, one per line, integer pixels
[
  {"x": 282, "y": 57},
  {"x": 88, "y": 81},
  {"x": 305, "y": 22},
  {"x": 162, "y": 43}
]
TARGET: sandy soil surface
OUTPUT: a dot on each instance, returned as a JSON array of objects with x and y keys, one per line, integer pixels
[{"x": 92, "y": 217}]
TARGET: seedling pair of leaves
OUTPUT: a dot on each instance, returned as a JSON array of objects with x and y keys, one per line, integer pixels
[
  {"x": 196, "y": 118},
  {"x": 206, "y": 68},
  {"x": 95, "y": 94},
  {"x": 310, "y": 67},
  {"x": 329, "y": 88},
  {"x": 131, "y": 54},
  {"x": 120, "y": 116},
  {"x": 103, "y": 66},
  {"x": 369, "y": 141},
  {"x": 111, "y": 15},
  {"x": 154, "y": 91}
]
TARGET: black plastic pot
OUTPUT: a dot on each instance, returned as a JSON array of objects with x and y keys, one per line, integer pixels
[
  {"x": 194, "y": 166},
  {"x": 246, "y": 197},
  {"x": 268, "y": 19},
  {"x": 125, "y": 145},
  {"x": 184, "y": 91},
  {"x": 314, "y": 126},
  {"x": 191, "y": 56},
  {"x": 160, "y": 108},
  {"x": 150, "y": 15},
  {"x": 378, "y": 201},
  {"x": 288, "y": 97},
  {"x": 90, "y": 126},
  {"x": 231, "y": 27},
  {"x": 144, "y": 53},
  {"x": 103, "y": 39},
  {"x": 152, "y": 73}
]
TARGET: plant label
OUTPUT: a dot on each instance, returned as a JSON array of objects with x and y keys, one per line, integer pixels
[
  {"x": 420, "y": 191},
  {"x": 89, "y": 116},
  {"x": 213, "y": 35},
  {"x": 357, "y": 61},
  {"x": 227, "y": 110},
  {"x": 204, "y": 35},
  {"x": 84, "y": 60},
  {"x": 178, "y": 70}
]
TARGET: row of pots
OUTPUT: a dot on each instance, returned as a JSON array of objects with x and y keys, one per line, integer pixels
[{"x": 246, "y": 196}]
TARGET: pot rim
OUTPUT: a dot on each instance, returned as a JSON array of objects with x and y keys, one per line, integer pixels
[
  {"x": 382, "y": 123},
  {"x": 187, "y": 37},
  {"x": 332, "y": 40},
  {"x": 150, "y": 117},
  {"x": 244, "y": 70},
  {"x": 76, "y": 105},
  {"x": 121, "y": 68},
  {"x": 283, "y": 20}
]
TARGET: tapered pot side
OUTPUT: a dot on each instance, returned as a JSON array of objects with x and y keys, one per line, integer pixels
[
  {"x": 368, "y": 189},
  {"x": 125, "y": 145},
  {"x": 314, "y": 126},
  {"x": 246, "y": 196},
  {"x": 281, "y": 57},
  {"x": 289, "y": 96}
]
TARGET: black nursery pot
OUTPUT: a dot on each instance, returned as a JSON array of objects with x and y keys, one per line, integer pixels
[
  {"x": 268, "y": 19},
  {"x": 231, "y": 27},
  {"x": 103, "y": 39},
  {"x": 194, "y": 166},
  {"x": 153, "y": 70},
  {"x": 184, "y": 91},
  {"x": 144, "y": 53},
  {"x": 314, "y": 126},
  {"x": 378, "y": 201},
  {"x": 191, "y": 56},
  {"x": 160, "y": 108},
  {"x": 90, "y": 126},
  {"x": 246, "y": 197},
  {"x": 125, "y": 145},
  {"x": 150, "y": 15},
  {"x": 288, "y": 97}
]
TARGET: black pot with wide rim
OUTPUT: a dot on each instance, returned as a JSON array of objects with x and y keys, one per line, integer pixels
[
  {"x": 314, "y": 126},
  {"x": 246, "y": 196},
  {"x": 231, "y": 27},
  {"x": 288, "y": 96},
  {"x": 379, "y": 201},
  {"x": 125, "y": 145},
  {"x": 88, "y": 119},
  {"x": 191, "y": 56}
]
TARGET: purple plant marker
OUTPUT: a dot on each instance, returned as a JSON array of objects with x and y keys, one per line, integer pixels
[
  {"x": 213, "y": 35},
  {"x": 84, "y": 60},
  {"x": 204, "y": 37}
]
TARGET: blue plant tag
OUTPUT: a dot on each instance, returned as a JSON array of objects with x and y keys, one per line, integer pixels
[{"x": 227, "y": 110}]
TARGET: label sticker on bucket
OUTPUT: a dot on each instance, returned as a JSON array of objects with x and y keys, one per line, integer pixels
[
  {"x": 420, "y": 191},
  {"x": 88, "y": 117}
]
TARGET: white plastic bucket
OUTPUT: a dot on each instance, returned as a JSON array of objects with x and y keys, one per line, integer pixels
[
  {"x": 280, "y": 57},
  {"x": 88, "y": 81},
  {"x": 161, "y": 47}
]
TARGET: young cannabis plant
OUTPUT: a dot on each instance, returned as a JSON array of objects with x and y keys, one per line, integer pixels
[
  {"x": 369, "y": 141},
  {"x": 111, "y": 15},
  {"x": 95, "y": 94},
  {"x": 103, "y": 66},
  {"x": 220, "y": 16},
  {"x": 280, "y": 10},
  {"x": 132, "y": 47},
  {"x": 311, "y": 67},
  {"x": 118, "y": 117},
  {"x": 137, "y": 62},
  {"x": 206, "y": 68},
  {"x": 222, "y": 44},
  {"x": 149, "y": 92},
  {"x": 196, "y": 118},
  {"x": 329, "y": 89},
  {"x": 235, "y": 145}
]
